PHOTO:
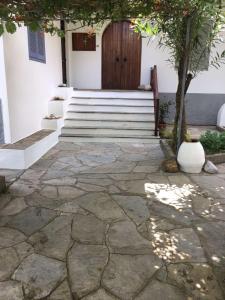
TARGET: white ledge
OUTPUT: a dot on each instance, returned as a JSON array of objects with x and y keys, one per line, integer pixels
[{"x": 23, "y": 154}]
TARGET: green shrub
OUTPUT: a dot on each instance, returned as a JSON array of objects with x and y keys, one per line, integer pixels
[
  {"x": 213, "y": 142},
  {"x": 222, "y": 139}
]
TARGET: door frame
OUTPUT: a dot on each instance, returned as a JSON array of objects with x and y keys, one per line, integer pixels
[{"x": 102, "y": 51}]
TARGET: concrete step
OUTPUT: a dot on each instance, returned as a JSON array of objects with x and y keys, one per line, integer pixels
[
  {"x": 107, "y": 132},
  {"x": 106, "y": 139},
  {"x": 137, "y": 117},
  {"x": 110, "y": 116},
  {"x": 109, "y": 124},
  {"x": 113, "y": 94},
  {"x": 112, "y": 102},
  {"x": 110, "y": 109}
]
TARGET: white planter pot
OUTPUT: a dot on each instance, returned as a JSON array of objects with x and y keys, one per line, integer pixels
[
  {"x": 53, "y": 124},
  {"x": 221, "y": 117},
  {"x": 191, "y": 157}
]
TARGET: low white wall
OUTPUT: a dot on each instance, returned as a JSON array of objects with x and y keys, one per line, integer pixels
[
  {"x": 30, "y": 84},
  {"x": 3, "y": 95},
  {"x": 84, "y": 67}
]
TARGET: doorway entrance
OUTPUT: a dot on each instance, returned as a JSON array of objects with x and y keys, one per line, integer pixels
[{"x": 121, "y": 57}]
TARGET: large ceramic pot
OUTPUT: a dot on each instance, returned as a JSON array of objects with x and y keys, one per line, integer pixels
[
  {"x": 221, "y": 117},
  {"x": 191, "y": 157}
]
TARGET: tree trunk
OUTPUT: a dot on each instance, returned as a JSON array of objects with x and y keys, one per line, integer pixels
[
  {"x": 178, "y": 101},
  {"x": 178, "y": 95},
  {"x": 184, "y": 79}
]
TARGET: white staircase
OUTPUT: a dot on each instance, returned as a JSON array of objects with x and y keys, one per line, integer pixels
[{"x": 110, "y": 116}]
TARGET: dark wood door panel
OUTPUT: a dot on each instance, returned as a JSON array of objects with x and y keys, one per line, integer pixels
[
  {"x": 121, "y": 57},
  {"x": 131, "y": 58},
  {"x": 111, "y": 56}
]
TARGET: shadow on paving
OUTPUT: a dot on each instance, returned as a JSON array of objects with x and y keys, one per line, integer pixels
[{"x": 101, "y": 222}]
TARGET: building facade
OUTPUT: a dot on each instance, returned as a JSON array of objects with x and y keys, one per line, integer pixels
[{"x": 112, "y": 57}]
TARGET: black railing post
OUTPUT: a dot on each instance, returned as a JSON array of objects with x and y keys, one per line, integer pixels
[
  {"x": 154, "y": 86},
  {"x": 63, "y": 49}
]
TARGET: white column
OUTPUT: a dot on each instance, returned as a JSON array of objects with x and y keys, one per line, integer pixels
[{"x": 3, "y": 94}]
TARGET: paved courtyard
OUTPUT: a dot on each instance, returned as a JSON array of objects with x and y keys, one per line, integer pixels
[{"x": 102, "y": 222}]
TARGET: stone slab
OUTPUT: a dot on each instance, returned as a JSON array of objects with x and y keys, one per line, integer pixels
[
  {"x": 11, "y": 290},
  {"x": 86, "y": 264},
  {"x": 126, "y": 275},
  {"x": 88, "y": 229},
  {"x": 39, "y": 275},
  {"x": 10, "y": 237},
  {"x": 123, "y": 238}
]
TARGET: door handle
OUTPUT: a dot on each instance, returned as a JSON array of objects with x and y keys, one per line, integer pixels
[
  {"x": 117, "y": 59},
  {"x": 125, "y": 59}
]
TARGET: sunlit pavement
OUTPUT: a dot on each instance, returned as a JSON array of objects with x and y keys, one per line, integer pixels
[{"x": 102, "y": 222}]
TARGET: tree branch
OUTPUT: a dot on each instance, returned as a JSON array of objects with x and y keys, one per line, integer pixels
[{"x": 187, "y": 83}]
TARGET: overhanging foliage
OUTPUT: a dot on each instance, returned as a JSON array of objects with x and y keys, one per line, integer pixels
[{"x": 40, "y": 14}]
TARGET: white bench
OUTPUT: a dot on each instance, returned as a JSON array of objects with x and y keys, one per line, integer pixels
[{"x": 24, "y": 153}]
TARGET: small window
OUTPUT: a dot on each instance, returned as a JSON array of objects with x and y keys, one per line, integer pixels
[
  {"x": 83, "y": 42},
  {"x": 36, "y": 46}
]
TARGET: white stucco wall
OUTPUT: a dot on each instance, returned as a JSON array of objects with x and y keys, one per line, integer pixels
[
  {"x": 30, "y": 84},
  {"x": 3, "y": 94},
  {"x": 207, "y": 82},
  {"x": 84, "y": 68}
]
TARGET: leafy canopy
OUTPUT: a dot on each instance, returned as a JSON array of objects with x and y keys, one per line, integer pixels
[
  {"x": 169, "y": 21},
  {"x": 40, "y": 14},
  {"x": 152, "y": 17}
]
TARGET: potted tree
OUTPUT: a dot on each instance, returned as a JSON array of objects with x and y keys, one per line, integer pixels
[{"x": 190, "y": 29}]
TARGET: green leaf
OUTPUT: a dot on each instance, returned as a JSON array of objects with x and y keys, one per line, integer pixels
[
  {"x": 1, "y": 29},
  {"x": 61, "y": 33},
  {"x": 34, "y": 26},
  {"x": 10, "y": 27}
]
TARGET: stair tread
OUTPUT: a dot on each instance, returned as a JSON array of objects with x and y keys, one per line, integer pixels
[
  {"x": 108, "y": 131},
  {"x": 110, "y": 112},
  {"x": 114, "y": 128},
  {"x": 108, "y": 140},
  {"x": 111, "y": 104},
  {"x": 109, "y": 120},
  {"x": 79, "y": 119},
  {"x": 105, "y": 135},
  {"x": 110, "y": 98}
]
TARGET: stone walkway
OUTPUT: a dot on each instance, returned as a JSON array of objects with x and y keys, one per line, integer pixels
[{"x": 101, "y": 222}]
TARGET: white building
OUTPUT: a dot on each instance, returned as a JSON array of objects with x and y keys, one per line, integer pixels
[{"x": 117, "y": 59}]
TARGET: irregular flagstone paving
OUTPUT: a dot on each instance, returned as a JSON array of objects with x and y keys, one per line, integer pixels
[
  {"x": 39, "y": 275},
  {"x": 103, "y": 222}
]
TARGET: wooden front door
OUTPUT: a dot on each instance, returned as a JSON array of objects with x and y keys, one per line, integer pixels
[{"x": 121, "y": 57}]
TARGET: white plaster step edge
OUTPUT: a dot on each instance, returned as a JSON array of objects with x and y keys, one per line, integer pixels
[
  {"x": 83, "y": 139},
  {"x": 109, "y": 132},
  {"x": 112, "y": 102},
  {"x": 63, "y": 92},
  {"x": 23, "y": 159},
  {"x": 58, "y": 108},
  {"x": 113, "y": 94},
  {"x": 112, "y": 109},
  {"x": 53, "y": 124},
  {"x": 110, "y": 116},
  {"x": 108, "y": 124}
]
